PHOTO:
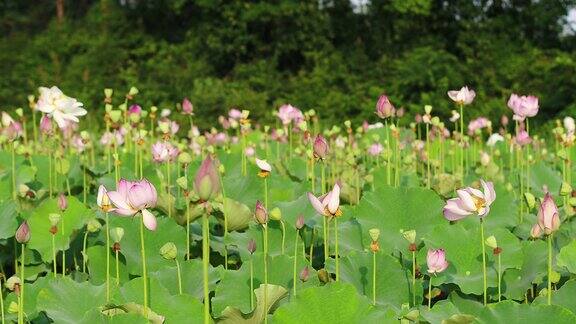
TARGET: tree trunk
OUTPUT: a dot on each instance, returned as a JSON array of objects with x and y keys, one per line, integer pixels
[{"x": 60, "y": 10}]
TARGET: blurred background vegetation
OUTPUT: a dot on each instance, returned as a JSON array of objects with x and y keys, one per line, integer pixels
[{"x": 335, "y": 56}]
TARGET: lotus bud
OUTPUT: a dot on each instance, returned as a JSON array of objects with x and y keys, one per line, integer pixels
[
  {"x": 251, "y": 246},
  {"x": 169, "y": 251},
  {"x": 323, "y": 276},
  {"x": 207, "y": 181},
  {"x": 565, "y": 189},
  {"x": 184, "y": 158},
  {"x": 93, "y": 225},
  {"x": 117, "y": 233},
  {"x": 12, "y": 283},
  {"x": 436, "y": 261},
  {"x": 304, "y": 274},
  {"x": 536, "y": 231},
  {"x": 491, "y": 242},
  {"x": 320, "y": 147},
  {"x": 300, "y": 222},
  {"x": 374, "y": 234},
  {"x": 62, "y": 202},
  {"x": 530, "y": 200},
  {"x": 182, "y": 182},
  {"x": 275, "y": 214},
  {"x": 384, "y": 107},
  {"x": 260, "y": 213},
  {"x": 19, "y": 112},
  {"x": 108, "y": 108},
  {"x": 548, "y": 215},
  {"x": 187, "y": 107},
  {"x": 23, "y": 233}
]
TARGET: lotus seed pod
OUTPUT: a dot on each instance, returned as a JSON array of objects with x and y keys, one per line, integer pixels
[
  {"x": 530, "y": 200},
  {"x": 410, "y": 236},
  {"x": 108, "y": 108},
  {"x": 117, "y": 233},
  {"x": 19, "y": 112},
  {"x": 428, "y": 109},
  {"x": 23, "y": 233},
  {"x": 565, "y": 189},
  {"x": 23, "y": 190},
  {"x": 108, "y": 92},
  {"x": 491, "y": 242},
  {"x": 54, "y": 219},
  {"x": 115, "y": 115},
  {"x": 13, "y": 308},
  {"x": 276, "y": 214},
  {"x": 347, "y": 123},
  {"x": 11, "y": 283},
  {"x": 133, "y": 91},
  {"x": 555, "y": 277},
  {"x": 374, "y": 234},
  {"x": 169, "y": 251},
  {"x": 184, "y": 158},
  {"x": 245, "y": 114},
  {"x": 93, "y": 225},
  {"x": 182, "y": 183}
]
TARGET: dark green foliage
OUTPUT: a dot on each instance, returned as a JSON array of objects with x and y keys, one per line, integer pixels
[{"x": 327, "y": 55}]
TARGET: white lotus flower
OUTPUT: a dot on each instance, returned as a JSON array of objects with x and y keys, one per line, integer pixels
[{"x": 61, "y": 108}]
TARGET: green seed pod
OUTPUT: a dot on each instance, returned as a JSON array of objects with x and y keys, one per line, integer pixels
[
  {"x": 410, "y": 236},
  {"x": 491, "y": 242},
  {"x": 565, "y": 189},
  {"x": 169, "y": 251},
  {"x": 54, "y": 219},
  {"x": 276, "y": 214},
  {"x": 117, "y": 233},
  {"x": 374, "y": 234},
  {"x": 530, "y": 200},
  {"x": 93, "y": 225}
]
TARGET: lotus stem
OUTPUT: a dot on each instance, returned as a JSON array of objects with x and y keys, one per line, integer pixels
[
  {"x": 430, "y": 293},
  {"x": 388, "y": 170},
  {"x": 429, "y": 181},
  {"x": 251, "y": 283},
  {"x": 336, "y": 249},
  {"x": 54, "y": 254},
  {"x": 14, "y": 192},
  {"x": 63, "y": 251},
  {"x": 23, "y": 280},
  {"x": 84, "y": 257},
  {"x": 265, "y": 273},
  {"x": 414, "y": 278},
  {"x": 462, "y": 140},
  {"x": 117, "y": 271},
  {"x": 283, "y": 235},
  {"x": 168, "y": 189},
  {"x": 374, "y": 278},
  {"x": 485, "y": 285},
  {"x": 499, "y": 277},
  {"x": 2, "y": 298},
  {"x": 108, "y": 258},
  {"x": 205, "y": 263},
  {"x": 144, "y": 273},
  {"x": 179, "y": 277},
  {"x": 295, "y": 262},
  {"x": 549, "y": 294}
]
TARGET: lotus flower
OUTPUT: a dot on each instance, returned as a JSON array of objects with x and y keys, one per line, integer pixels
[
  {"x": 160, "y": 152},
  {"x": 187, "y": 107},
  {"x": 235, "y": 114},
  {"x": 320, "y": 147},
  {"x": 289, "y": 114},
  {"x": 46, "y": 125},
  {"x": 328, "y": 204},
  {"x": 207, "y": 181},
  {"x": 470, "y": 201},
  {"x": 375, "y": 149},
  {"x": 523, "y": 106},
  {"x": 477, "y": 124},
  {"x": 523, "y": 138},
  {"x": 23, "y": 233},
  {"x": 384, "y": 107},
  {"x": 260, "y": 213},
  {"x": 455, "y": 116},
  {"x": 436, "y": 261},
  {"x": 132, "y": 197},
  {"x": 265, "y": 168},
  {"x": 548, "y": 216},
  {"x": 569, "y": 125},
  {"x": 493, "y": 139},
  {"x": 464, "y": 96},
  {"x": 61, "y": 108}
]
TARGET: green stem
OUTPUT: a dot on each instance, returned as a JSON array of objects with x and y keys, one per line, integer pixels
[
  {"x": 413, "y": 278},
  {"x": 265, "y": 273},
  {"x": 336, "y": 249},
  {"x": 483, "y": 260},
  {"x": 462, "y": 140},
  {"x": 430, "y": 293},
  {"x": 388, "y": 170},
  {"x": 295, "y": 264},
  {"x": 549, "y": 269},
  {"x": 144, "y": 273},
  {"x": 251, "y": 283},
  {"x": 117, "y": 270},
  {"x": 108, "y": 258},
  {"x": 14, "y": 192},
  {"x": 374, "y": 278},
  {"x": 168, "y": 184},
  {"x": 205, "y": 264},
  {"x": 63, "y": 252},
  {"x": 84, "y": 258},
  {"x": 54, "y": 254},
  {"x": 2, "y": 299},
  {"x": 428, "y": 183},
  {"x": 179, "y": 277},
  {"x": 266, "y": 193},
  {"x": 499, "y": 276},
  {"x": 283, "y": 234},
  {"x": 23, "y": 280}
]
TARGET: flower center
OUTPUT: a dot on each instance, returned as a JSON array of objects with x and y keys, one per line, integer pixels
[{"x": 479, "y": 203}]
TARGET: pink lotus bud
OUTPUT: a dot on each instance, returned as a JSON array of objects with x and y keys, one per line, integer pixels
[
  {"x": 320, "y": 147},
  {"x": 548, "y": 217},
  {"x": 260, "y": 213},
  {"x": 207, "y": 182},
  {"x": 504, "y": 120},
  {"x": 304, "y": 274},
  {"x": 536, "y": 231},
  {"x": 436, "y": 261},
  {"x": 300, "y": 222},
  {"x": 251, "y": 246},
  {"x": 62, "y": 202},
  {"x": 523, "y": 138},
  {"x": 13, "y": 131},
  {"x": 384, "y": 107},
  {"x": 400, "y": 112},
  {"x": 418, "y": 118},
  {"x": 187, "y": 107},
  {"x": 23, "y": 233},
  {"x": 46, "y": 125}
]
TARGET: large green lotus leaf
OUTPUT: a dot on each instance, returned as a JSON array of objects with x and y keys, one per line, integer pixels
[
  {"x": 234, "y": 288},
  {"x": 66, "y": 301},
  {"x": 464, "y": 253},
  {"x": 563, "y": 297},
  {"x": 192, "y": 278},
  {"x": 238, "y": 215},
  {"x": 516, "y": 282},
  {"x": 73, "y": 219},
  {"x": 95, "y": 316},
  {"x": 357, "y": 268},
  {"x": 393, "y": 210},
  {"x": 445, "y": 311},
  {"x": 175, "y": 308},
  {"x": 166, "y": 231},
  {"x": 567, "y": 257},
  {"x": 511, "y": 312},
  {"x": 240, "y": 240},
  {"x": 8, "y": 220},
  {"x": 332, "y": 303},
  {"x": 232, "y": 315},
  {"x": 97, "y": 266},
  {"x": 543, "y": 175}
]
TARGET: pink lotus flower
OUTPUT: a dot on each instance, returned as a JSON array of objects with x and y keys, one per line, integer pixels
[
  {"x": 62, "y": 202},
  {"x": 235, "y": 114},
  {"x": 548, "y": 216},
  {"x": 160, "y": 152},
  {"x": 250, "y": 151},
  {"x": 103, "y": 201},
  {"x": 375, "y": 149},
  {"x": 464, "y": 96},
  {"x": 320, "y": 147},
  {"x": 523, "y": 106},
  {"x": 112, "y": 138},
  {"x": 384, "y": 107},
  {"x": 78, "y": 144},
  {"x": 477, "y": 124},
  {"x": 436, "y": 261},
  {"x": 23, "y": 233},
  {"x": 523, "y": 138},
  {"x": 327, "y": 204},
  {"x": 13, "y": 131},
  {"x": 187, "y": 107},
  {"x": 470, "y": 201},
  {"x": 289, "y": 114},
  {"x": 132, "y": 197},
  {"x": 207, "y": 181}
]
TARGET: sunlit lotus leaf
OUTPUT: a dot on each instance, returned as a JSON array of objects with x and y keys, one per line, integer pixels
[{"x": 512, "y": 313}]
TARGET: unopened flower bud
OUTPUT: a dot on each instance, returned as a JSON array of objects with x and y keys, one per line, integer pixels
[
  {"x": 323, "y": 276},
  {"x": 169, "y": 251},
  {"x": 276, "y": 214},
  {"x": 300, "y": 222},
  {"x": 62, "y": 202},
  {"x": 260, "y": 213},
  {"x": 536, "y": 231},
  {"x": 23, "y": 233},
  {"x": 304, "y": 274},
  {"x": 251, "y": 246}
]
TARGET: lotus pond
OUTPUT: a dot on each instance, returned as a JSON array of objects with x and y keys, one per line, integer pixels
[{"x": 399, "y": 219}]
